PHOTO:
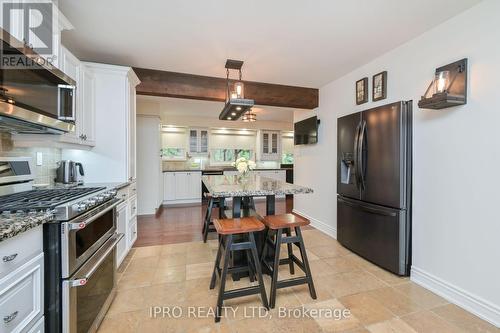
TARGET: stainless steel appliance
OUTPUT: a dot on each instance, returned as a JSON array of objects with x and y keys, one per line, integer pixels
[
  {"x": 374, "y": 184},
  {"x": 34, "y": 99},
  {"x": 69, "y": 172},
  {"x": 79, "y": 245}
]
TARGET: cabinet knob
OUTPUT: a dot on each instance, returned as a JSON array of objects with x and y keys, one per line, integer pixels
[
  {"x": 9, "y": 258},
  {"x": 7, "y": 319}
]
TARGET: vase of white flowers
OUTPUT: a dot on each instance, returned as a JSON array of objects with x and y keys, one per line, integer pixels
[{"x": 244, "y": 165}]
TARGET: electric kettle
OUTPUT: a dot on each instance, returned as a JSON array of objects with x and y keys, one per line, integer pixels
[{"x": 69, "y": 172}]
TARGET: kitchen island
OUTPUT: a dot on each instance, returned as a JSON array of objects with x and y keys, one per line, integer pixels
[{"x": 242, "y": 190}]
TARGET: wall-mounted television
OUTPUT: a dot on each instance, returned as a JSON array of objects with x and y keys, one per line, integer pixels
[{"x": 306, "y": 131}]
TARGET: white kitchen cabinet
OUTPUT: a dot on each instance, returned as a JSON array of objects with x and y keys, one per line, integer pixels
[
  {"x": 169, "y": 186},
  {"x": 132, "y": 82},
  {"x": 38, "y": 327},
  {"x": 112, "y": 159},
  {"x": 182, "y": 187},
  {"x": 198, "y": 141},
  {"x": 122, "y": 228},
  {"x": 132, "y": 232},
  {"x": 71, "y": 66},
  {"x": 21, "y": 282},
  {"x": 194, "y": 185},
  {"x": 86, "y": 122},
  {"x": 270, "y": 145}
]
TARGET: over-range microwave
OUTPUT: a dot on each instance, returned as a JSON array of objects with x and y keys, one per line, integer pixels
[{"x": 38, "y": 98}]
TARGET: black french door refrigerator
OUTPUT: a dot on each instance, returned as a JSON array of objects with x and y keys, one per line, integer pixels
[{"x": 374, "y": 185}]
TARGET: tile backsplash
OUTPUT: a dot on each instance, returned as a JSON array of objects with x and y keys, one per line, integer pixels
[{"x": 45, "y": 173}]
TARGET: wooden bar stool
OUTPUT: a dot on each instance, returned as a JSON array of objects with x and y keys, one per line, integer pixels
[
  {"x": 227, "y": 229},
  {"x": 212, "y": 203},
  {"x": 277, "y": 225}
]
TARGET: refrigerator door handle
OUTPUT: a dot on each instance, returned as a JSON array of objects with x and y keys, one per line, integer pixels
[
  {"x": 356, "y": 147},
  {"x": 360, "y": 161},
  {"x": 367, "y": 209}
]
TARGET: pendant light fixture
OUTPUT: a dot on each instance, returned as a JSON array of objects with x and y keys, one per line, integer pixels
[
  {"x": 236, "y": 105},
  {"x": 249, "y": 117}
]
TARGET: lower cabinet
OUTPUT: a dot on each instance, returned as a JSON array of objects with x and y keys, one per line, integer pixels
[
  {"x": 39, "y": 326},
  {"x": 181, "y": 187},
  {"x": 121, "y": 227},
  {"x": 126, "y": 221},
  {"x": 21, "y": 297},
  {"x": 132, "y": 232}
]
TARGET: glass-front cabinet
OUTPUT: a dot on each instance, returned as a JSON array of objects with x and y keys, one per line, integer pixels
[
  {"x": 198, "y": 141},
  {"x": 270, "y": 145}
]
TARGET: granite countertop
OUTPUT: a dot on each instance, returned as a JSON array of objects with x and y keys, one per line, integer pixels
[
  {"x": 14, "y": 224},
  {"x": 252, "y": 185},
  {"x": 221, "y": 169},
  {"x": 109, "y": 186}
]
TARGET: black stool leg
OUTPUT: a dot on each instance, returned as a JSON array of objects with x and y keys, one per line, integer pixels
[
  {"x": 290, "y": 251},
  {"x": 276, "y": 266},
  {"x": 305, "y": 261},
  {"x": 251, "y": 273},
  {"x": 227, "y": 251},
  {"x": 208, "y": 218},
  {"x": 217, "y": 262},
  {"x": 222, "y": 206},
  {"x": 259, "y": 272}
]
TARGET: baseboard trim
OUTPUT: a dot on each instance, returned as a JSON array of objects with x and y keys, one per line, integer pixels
[
  {"x": 321, "y": 226},
  {"x": 472, "y": 303}
]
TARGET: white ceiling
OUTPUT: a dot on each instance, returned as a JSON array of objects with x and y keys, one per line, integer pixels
[
  {"x": 295, "y": 42},
  {"x": 165, "y": 107}
]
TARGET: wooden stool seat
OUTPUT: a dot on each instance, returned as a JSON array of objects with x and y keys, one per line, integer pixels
[
  {"x": 283, "y": 221},
  {"x": 238, "y": 226}
]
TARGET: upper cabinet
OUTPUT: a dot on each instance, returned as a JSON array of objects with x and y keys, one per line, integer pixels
[
  {"x": 85, "y": 99},
  {"x": 270, "y": 145},
  {"x": 198, "y": 141},
  {"x": 114, "y": 133}
]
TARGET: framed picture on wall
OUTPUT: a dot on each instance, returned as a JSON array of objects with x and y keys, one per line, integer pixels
[
  {"x": 362, "y": 91},
  {"x": 379, "y": 89}
]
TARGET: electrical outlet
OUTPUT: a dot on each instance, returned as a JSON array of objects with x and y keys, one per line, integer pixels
[{"x": 39, "y": 158}]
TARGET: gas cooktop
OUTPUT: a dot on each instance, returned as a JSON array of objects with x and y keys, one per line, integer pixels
[{"x": 43, "y": 199}]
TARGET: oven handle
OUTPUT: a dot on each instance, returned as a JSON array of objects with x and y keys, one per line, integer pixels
[
  {"x": 83, "y": 224},
  {"x": 103, "y": 253}
]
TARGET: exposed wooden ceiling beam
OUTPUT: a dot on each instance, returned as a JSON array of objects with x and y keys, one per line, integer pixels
[{"x": 180, "y": 85}]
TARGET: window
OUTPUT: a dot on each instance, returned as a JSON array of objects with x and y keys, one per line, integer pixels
[
  {"x": 287, "y": 158},
  {"x": 173, "y": 153},
  {"x": 228, "y": 156}
]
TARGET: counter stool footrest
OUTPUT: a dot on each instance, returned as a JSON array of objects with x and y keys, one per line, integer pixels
[
  {"x": 292, "y": 282},
  {"x": 228, "y": 294}
]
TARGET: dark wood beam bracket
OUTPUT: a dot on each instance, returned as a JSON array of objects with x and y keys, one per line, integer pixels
[{"x": 180, "y": 85}]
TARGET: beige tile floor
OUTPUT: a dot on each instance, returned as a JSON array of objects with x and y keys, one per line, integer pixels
[{"x": 178, "y": 275}]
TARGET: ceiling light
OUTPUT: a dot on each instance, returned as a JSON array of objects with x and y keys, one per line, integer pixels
[
  {"x": 249, "y": 117},
  {"x": 236, "y": 105}
]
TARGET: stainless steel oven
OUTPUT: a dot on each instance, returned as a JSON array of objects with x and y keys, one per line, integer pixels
[
  {"x": 88, "y": 293},
  {"x": 82, "y": 236}
]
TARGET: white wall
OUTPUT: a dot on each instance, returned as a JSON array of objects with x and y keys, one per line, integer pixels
[{"x": 456, "y": 224}]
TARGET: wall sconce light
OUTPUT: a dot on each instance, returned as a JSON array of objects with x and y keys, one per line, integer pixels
[{"x": 449, "y": 87}]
